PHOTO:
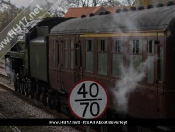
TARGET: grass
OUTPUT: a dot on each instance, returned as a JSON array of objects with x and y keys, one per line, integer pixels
[{"x": 5, "y": 129}]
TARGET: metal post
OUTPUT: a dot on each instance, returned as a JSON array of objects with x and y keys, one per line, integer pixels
[{"x": 87, "y": 128}]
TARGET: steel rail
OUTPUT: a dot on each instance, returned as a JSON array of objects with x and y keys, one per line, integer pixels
[
  {"x": 14, "y": 128},
  {"x": 39, "y": 104}
]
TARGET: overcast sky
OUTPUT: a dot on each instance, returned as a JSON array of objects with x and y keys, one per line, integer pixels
[{"x": 20, "y": 2}]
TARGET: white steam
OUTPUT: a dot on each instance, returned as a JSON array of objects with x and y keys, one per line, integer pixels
[
  {"x": 9, "y": 70},
  {"x": 130, "y": 77}
]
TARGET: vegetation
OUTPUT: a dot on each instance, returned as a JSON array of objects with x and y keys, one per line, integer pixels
[
  {"x": 7, "y": 13},
  {"x": 66, "y": 4},
  {"x": 11, "y": 11}
]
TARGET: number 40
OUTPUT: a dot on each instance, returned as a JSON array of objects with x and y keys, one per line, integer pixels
[{"x": 83, "y": 91}]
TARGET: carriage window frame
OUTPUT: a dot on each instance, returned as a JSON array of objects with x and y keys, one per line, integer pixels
[
  {"x": 66, "y": 50},
  {"x": 150, "y": 55},
  {"x": 58, "y": 52},
  {"x": 54, "y": 51},
  {"x": 102, "y": 45},
  {"x": 160, "y": 69},
  {"x": 102, "y": 49},
  {"x": 89, "y": 49},
  {"x": 116, "y": 49},
  {"x": 89, "y": 45},
  {"x": 72, "y": 52},
  {"x": 117, "y": 46},
  {"x": 135, "y": 46},
  {"x": 150, "y": 46},
  {"x": 135, "y": 57}
]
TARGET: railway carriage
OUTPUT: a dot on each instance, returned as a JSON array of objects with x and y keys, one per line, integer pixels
[{"x": 96, "y": 47}]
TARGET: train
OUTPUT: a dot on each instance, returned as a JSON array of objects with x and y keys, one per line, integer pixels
[{"x": 130, "y": 52}]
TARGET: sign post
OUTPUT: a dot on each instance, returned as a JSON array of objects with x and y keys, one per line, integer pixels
[{"x": 88, "y": 100}]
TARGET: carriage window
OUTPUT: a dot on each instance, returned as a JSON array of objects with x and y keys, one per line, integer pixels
[
  {"x": 89, "y": 45},
  {"x": 117, "y": 46},
  {"x": 66, "y": 45},
  {"x": 135, "y": 46},
  {"x": 102, "y": 63},
  {"x": 135, "y": 62},
  {"x": 72, "y": 44},
  {"x": 135, "y": 59},
  {"x": 102, "y": 57},
  {"x": 66, "y": 54},
  {"x": 102, "y": 45},
  {"x": 160, "y": 63},
  {"x": 89, "y": 61},
  {"x": 150, "y": 66},
  {"x": 66, "y": 59},
  {"x": 54, "y": 53},
  {"x": 89, "y": 56},
  {"x": 72, "y": 54},
  {"x": 58, "y": 53},
  {"x": 117, "y": 57},
  {"x": 150, "y": 46},
  {"x": 117, "y": 62}
]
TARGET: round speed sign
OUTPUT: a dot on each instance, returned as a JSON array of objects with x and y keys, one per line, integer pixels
[{"x": 88, "y": 99}]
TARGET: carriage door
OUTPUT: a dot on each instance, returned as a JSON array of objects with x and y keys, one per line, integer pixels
[
  {"x": 160, "y": 64},
  {"x": 78, "y": 71},
  {"x": 59, "y": 62},
  {"x": 160, "y": 74}
]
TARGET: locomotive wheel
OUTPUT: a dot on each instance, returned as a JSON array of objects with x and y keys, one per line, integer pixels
[
  {"x": 56, "y": 103},
  {"x": 31, "y": 94},
  {"x": 22, "y": 88},
  {"x": 18, "y": 87},
  {"x": 50, "y": 101},
  {"x": 37, "y": 96},
  {"x": 25, "y": 90},
  {"x": 44, "y": 98},
  {"x": 15, "y": 86}
]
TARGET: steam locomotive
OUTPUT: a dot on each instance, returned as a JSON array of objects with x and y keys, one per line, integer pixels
[{"x": 131, "y": 52}]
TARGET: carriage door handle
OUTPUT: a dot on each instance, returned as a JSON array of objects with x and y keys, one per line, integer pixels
[{"x": 82, "y": 71}]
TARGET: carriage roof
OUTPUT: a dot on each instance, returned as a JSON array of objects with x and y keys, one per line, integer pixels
[{"x": 159, "y": 18}]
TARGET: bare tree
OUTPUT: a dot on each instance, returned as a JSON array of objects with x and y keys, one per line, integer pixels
[
  {"x": 143, "y": 2},
  {"x": 84, "y": 3},
  {"x": 8, "y": 13},
  {"x": 130, "y": 2},
  {"x": 62, "y": 8},
  {"x": 111, "y": 3}
]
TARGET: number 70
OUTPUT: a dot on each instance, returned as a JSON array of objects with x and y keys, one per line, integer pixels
[{"x": 91, "y": 106}]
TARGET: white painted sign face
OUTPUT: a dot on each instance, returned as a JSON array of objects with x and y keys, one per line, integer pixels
[{"x": 88, "y": 99}]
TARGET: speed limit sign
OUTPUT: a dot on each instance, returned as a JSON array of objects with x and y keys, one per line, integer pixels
[{"x": 88, "y": 99}]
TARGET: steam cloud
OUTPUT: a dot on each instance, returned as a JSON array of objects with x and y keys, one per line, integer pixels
[
  {"x": 130, "y": 77},
  {"x": 9, "y": 70}
]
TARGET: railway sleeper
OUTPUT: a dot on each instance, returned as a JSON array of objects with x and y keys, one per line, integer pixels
[
  {"x": 38, "y": 92},
  {"x": 25, "y": 90},
  {"x": 43, "y": 98},
  {"x": 52, "y": 100},
  {"x": 21, "y": 88}
]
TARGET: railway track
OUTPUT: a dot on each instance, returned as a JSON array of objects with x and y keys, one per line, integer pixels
[
  {"x": 13, "y": 128},
  {"x": 38, "y": 104},
  {"x": 1, "y": 67}
]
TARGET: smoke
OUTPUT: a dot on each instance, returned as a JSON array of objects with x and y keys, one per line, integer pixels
[
  {"x": 8, "y": 69},
  {"x": 130, "y": 77}
]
